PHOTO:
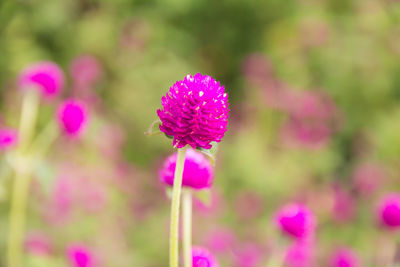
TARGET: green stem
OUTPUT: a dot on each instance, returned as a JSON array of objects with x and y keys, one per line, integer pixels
[
  {"x": 20, "y": 189},
  {"x": 187, "y": 227},
  {"x": 42, "y": 143},
  {"x": 174, "y": 223}
]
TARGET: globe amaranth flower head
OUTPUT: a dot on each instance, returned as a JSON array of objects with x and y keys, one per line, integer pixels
[
  {"x": 344, "y": 257},
  {"x": 8, "y": 138},
  {"x": 72, "y": 117},
  {"x": 197, "y": 172},
  {"x": 203, "y": 258},
  {"x": 389, "y": 211},
  {"x": 45, "y": 76},
  {"x": 79, "y": 256},
  {"x": 296, "y": 220},
  {"x": 195, "y": 112}
]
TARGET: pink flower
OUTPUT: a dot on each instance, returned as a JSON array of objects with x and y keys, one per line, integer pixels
[
  {"x": 38, "y": 244},
  {"x": 389, "y": 211},
  {"x": 195, "y": 112},
  {"x": 45, "y": 76},
  {"x": 85, "y": 71},
  {"x": 72, "y": 117},
  {"x": 221, "y": 240},
  {"x": 197, "y": 172},
  {"x": 312, "y": 120},
  {"x": 296, "y": 220},
  {"x": 8, "y": 138},
  {"x": 367, "y": 177},
  {"x": 203, "y": 258},
  {"x": 248, "y": 255},
  {"x": 344, "y": 204},
  {"x": 345, "y": 257},
  {"x": 300, "y": 254},
  {"x": 79, "y": 256}
]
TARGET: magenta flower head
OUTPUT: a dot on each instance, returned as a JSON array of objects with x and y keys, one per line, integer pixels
[
  {"x": 389, "y": 211},
  {"x": 79, "y": 256},
  {"x": 203, "y": 258},
  {"x": 85, "y": 71},
  {"x": 296, "y": 220},
  {"x": 72, "y": 117},
  {"x": 8, "y": 138},
  {"x": 197, "y": 172},
  {"x": 345, "y": 257},
  {"x": 195, "y": 112},
  {"x": 46, "y": 76}
]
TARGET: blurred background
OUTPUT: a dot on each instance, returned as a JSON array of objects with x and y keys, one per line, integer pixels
[{"x": 314, "y": 91}]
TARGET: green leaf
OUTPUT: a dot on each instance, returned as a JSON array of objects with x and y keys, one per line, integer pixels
[
  {"x": 203, "y": 195},
  {"x": 154, "y": 128},
  {"x": 210, "y": 153}
]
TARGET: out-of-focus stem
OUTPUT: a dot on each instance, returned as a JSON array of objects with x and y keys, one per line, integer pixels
[
  {"x": 175, "y": 203},
  {"x": 20, "y": 189},
  {"x": 187, "y": 227}
]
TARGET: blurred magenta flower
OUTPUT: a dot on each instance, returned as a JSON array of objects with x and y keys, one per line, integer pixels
[
  {"x": 345, "y": 257},
  {"x": 72, "y": 117},
  {"x": 197, "y": 173},
  {"x": 248, "y": 205},
  {"x": 300, "y": 254},
  {"x": 79, "y": 256},
  {"x": 38, "y": 244},
  {"x": 367, "y": 177},
  {"x": 85, "y": 71},
  {"x": 248, "y": 255},
  {"x": 195, "y": 112},
  {"x": 389, "y": 211},
  {"x": 344, "y": 204},
  {"x": 45, "y": 76},
  {"x": 313, "y": 118},
  {"x": 296, "y": 220},
  {"x": 221, "y": 240},
  {"x": 203, "y": 258},
  {"x": 8, "y": 138}
]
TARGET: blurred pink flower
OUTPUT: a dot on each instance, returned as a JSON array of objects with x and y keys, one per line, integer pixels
[
  {"x": 72, "y": 117},
  {"x": 248, "y": 255},
  {"x": 203, "y": 258},
  {"x": 344, "y": 204},
  {"x": 312, "y": 120},
  {"x": 213, "y": 208},
  {"x": 46, "y": 76},
  {"x": 8, "y": 138},
  {"x": 197, "y": 173},
  {"x": 221, "y": 240},
  {"x": 85, "y": 71},
  {"x": 301, "y": 254},
  {"x": 389, "y": 211},
  {"x": 345, "y": 257},
  {"x": 296, "y": 220},
  {"x": 248, "y": 205},
  {"x": 79, "y": 256},
  {"x": 367, "y": 177},
  {"x": 257, "y": 69},
  {"x": 38, "y": 244}
]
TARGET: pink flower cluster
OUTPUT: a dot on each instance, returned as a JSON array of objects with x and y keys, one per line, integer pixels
[{"x": 195, "y": 112}]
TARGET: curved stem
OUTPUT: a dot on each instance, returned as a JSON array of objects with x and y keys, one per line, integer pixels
[
  {"x": 187, "y": 227},
  {"x": 175, "y": 203},
  {"x": 20, "y": 189}
]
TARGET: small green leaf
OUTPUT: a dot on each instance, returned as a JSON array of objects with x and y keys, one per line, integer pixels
[
  {"x": 210, "y": 153},
  {"x": 154, "y": 128},
  {"x": 203, "y": 195}
]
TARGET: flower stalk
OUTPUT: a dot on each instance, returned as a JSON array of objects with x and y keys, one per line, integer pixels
[
  {"x": 187, "y": 227},
  {"x": 175, "y": 206},
  {"x": 20, "y": 189}
]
